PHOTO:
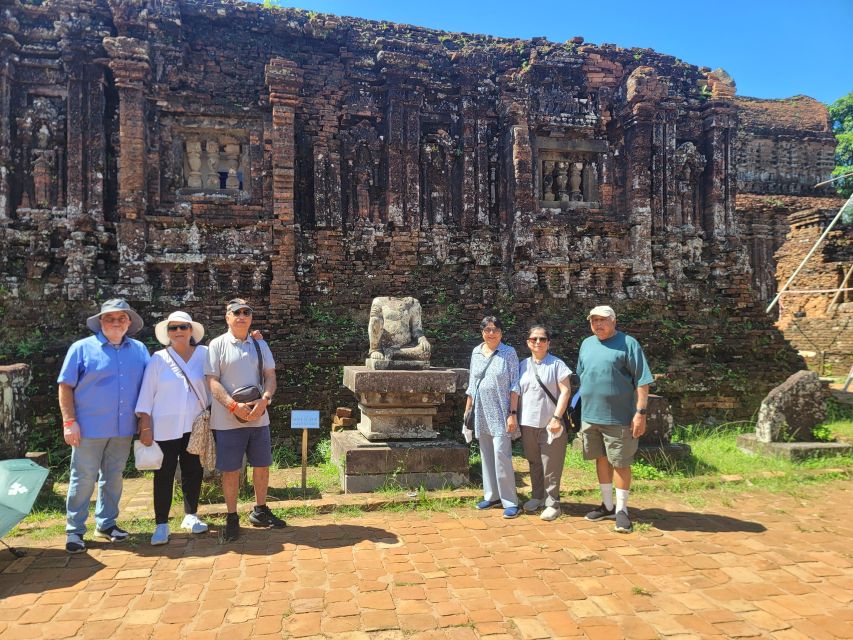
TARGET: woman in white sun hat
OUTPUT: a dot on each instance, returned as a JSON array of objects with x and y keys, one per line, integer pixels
[{"x": 173, "y": 393}]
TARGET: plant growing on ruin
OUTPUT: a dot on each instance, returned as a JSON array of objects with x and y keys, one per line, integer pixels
[{"x": 841, "y": 115}]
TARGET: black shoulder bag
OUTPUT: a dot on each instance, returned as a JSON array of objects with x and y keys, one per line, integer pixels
[{"x": 251, "y": 392}]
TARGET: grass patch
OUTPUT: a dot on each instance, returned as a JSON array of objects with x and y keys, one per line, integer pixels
[{"x": 639, "y": 591}]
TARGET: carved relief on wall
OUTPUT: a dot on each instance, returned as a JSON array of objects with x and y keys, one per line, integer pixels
[
  {"x": 689, "y": 165},
  {"x": 438, "y": 155},
  {"x": 40, "y": 154},
  {"x": 362, "y": 151},
  {"x": 215, "y": 162}
]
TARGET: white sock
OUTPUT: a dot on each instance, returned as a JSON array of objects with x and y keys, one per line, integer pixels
[
  {"x": 607, "y": 495},
  {"x": 622, "y": 500}
]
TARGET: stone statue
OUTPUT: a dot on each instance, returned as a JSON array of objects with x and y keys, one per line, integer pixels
[{"x": 397, "y": 339}]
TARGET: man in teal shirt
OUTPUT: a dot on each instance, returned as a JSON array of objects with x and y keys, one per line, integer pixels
[{"x": 615, "y": 378}]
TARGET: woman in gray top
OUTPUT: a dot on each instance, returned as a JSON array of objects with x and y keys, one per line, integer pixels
[{"x": 542, "y": 433}]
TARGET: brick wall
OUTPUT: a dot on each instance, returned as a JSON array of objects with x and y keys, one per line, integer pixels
[{"x": 310, "y": 162}]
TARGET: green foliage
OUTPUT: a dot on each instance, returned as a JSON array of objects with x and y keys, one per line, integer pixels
[
  {"x": 823, "y": 433},
  {"x": 841, "y": 114}
]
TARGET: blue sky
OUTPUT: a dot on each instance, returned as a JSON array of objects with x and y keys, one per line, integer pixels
[{"x": 772, "y": 49}]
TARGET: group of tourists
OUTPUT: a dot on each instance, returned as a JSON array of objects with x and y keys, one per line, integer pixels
[
  {"x": 111, "y": 389},
  {"x": 528, "y": 400}
]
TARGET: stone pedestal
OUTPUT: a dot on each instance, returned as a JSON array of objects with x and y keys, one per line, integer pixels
[
  {"x": 399, "y": 405},
  {"x": 395, "y": 443},
  {"x": 366, "y": 466},
  {"x": 14, "y": 409}
]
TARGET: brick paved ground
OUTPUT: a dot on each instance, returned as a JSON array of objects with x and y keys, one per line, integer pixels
[{"x": 771, "y": 566}]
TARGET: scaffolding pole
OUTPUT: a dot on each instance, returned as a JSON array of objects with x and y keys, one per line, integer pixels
[{"x": 825, "y": 233}]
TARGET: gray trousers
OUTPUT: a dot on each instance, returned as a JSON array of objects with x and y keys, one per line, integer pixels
[
  {"x": 546, "y": 463},
  {"x": 498, "y": 474}
]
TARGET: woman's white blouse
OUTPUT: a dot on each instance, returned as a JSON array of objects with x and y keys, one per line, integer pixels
[
  {"x": 166, "y": 396},
  {"x": 535, "y": 408}
]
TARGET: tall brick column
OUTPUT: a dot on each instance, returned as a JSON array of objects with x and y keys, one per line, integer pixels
[
  {"x": 130, "y": 66},
  {"x": 639, "y": 133},
  {"x": 284, "y": 80},
  {"x": 720, "y": 131},
  {"x": 8, "y": 48}
]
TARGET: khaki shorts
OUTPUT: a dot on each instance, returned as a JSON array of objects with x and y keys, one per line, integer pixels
[{"x": 611, "y": 440}]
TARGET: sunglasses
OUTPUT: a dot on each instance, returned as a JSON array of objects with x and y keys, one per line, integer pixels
[
  {"x": 179, "y": 327},
  {"x": 242, "y": 312},
  {"x": 537, "y": 339}
]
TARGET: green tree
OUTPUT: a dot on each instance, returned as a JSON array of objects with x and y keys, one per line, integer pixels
[{"x": 841, "y": 114}]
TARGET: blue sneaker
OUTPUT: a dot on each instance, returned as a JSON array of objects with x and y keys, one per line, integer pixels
[
  {"x": 487, "y": 504},
  {"x": 512, "y": 512}
]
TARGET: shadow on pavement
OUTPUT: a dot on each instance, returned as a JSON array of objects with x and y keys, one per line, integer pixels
[
  {"x": 259, "y": 542},
  {"x": 677, "y": 520},
  {"x": 44, "y": 570}
]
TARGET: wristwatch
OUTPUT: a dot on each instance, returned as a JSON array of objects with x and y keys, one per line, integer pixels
[{"x": 642, "y": 411}]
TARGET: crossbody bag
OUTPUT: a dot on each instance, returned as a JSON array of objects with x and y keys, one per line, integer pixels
[{"x": 564, "y": 418}]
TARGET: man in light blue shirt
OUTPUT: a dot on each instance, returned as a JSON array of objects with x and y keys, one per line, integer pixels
[
  {"x": 614, "y": 390},
  {"x": 98, "y": 388}
]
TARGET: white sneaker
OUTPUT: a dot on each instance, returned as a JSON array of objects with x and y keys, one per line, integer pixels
[
  {"x": 161, "y": 535},
  {"x": 551, "y": 513},
  {"x": 532, "y": 505},
  {"x": 193, "y": 524}
]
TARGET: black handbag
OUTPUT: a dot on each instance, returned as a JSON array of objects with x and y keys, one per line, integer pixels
[
  {"x": 252, "y": 392},
  {"x": 565, "y": 418}
]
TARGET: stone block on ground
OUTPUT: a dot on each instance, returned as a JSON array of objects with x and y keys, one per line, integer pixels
[
  {"x": 794, "y": 451},
  {"x": 790, "y": 411}
]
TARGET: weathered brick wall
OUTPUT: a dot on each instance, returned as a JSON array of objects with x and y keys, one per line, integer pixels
[
  {"x": 784, "y": 146},
  {"x": 185, "y": 154},
  {"x": 819, "y": 325}
]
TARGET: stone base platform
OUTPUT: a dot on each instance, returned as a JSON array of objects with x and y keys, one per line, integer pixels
[
  {"x": 367, "y": 465},
  {"x": 749, "y": 443}
]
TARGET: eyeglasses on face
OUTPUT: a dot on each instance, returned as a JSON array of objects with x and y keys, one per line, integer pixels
[
  {"x": 242, "y": 312},
  {"x": 179, "y": 327},
  {"x": 491, "y": 330},
  {"x": 538, "y": 339}
]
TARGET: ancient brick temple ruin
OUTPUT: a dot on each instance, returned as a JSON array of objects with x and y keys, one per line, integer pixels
[{"x": 179, "y": 152}]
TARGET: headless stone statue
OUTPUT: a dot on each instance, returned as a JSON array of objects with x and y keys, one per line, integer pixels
[{"x": 396, "y": 335}]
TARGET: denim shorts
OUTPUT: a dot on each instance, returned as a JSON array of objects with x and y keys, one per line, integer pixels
[{"x": 231, "y": 444}]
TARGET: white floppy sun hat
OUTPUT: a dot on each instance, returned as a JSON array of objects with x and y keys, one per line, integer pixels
[{"x": 162, "y": 333}]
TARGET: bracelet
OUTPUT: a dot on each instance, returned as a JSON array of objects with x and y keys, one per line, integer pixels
[
  {"x": 513, "y": 412},
  {"x": 232, "y": 406},
  {"x": 145, "y": 429},
  {"x": 555, "y": 417},
  {"x": 68, "y": 423}
]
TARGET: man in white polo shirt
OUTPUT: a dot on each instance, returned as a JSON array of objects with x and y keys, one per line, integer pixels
[{"x": 237, "y": 361}]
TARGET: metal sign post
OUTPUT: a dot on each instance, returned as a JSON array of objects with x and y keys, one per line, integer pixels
[{"x": 304, "y": 419}]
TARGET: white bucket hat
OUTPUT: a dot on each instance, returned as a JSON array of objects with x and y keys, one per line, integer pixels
[
  {"x": 111, "y": 305},
  {"x": 162, "y": 333}
]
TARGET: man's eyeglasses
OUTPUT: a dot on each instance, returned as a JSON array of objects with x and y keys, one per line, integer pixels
[
  {"x": 179, "y": 327},
  {"x": 243, "y": 312},
  {"x": 491, "y": 330},
  {"x": 537, "y": 339}
]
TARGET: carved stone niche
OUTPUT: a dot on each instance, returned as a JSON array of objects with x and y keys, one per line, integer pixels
[
  {"x": 569, "y": 173},
  {"x": 215, "y": 163},
  {"x": 40, "y": 154}
]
